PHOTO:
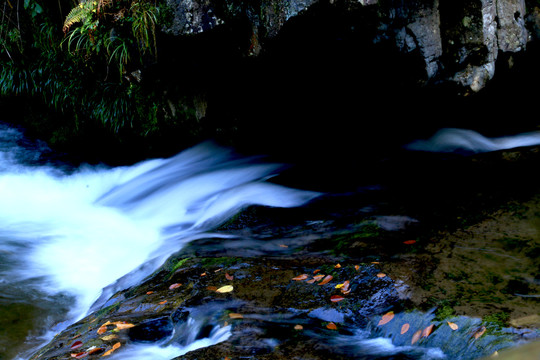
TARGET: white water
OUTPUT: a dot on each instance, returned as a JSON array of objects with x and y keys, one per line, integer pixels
[
  {"x": 80, "y": 232},
  {"x": 469, "y": 141}
]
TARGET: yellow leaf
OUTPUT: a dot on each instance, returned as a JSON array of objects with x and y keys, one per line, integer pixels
[
  {"x": 109, "y": 337},
  {"x": 337, "y": 266},
  {"x": 225, "y": 289},
  {"x": 386, "y": 318},
  {"x": 452, "y": 325},
  {"x": 339, "y": 286},
  {"x": 404, "y": 328}
]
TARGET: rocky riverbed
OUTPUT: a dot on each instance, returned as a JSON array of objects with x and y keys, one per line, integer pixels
[{"x": 347, "y": 276}]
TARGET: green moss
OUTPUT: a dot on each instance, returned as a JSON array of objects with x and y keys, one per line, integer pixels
[
  {"x": 179, "y": 264},
  {"x": 219, "y": 261}
]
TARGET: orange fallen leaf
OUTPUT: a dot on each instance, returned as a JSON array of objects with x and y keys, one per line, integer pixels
[
  {"x": 428, "y": 330},
  {"x": 102, "y": 329},
  {"x": 452, "y": 325},
  {"x": 298, "y": 327},
  {"x": 211, "y": 288},
  {"x": 316, "y": 271},
  {"x": 386, "y": 318},
  {"x": 331, "y": 326},
  {"x": 375, "y": 262},
  {"x": 300, "y": 277},
  {"x": 229, "y": 277},
  {"x": 236, "y": 316},
  {"x": 121, "y": 325},
  {"x": 174, "y": 286},
  {"x": 336, "y": 298},
  {"x": 115, "y": 346},
  {"x": 311, "y": 281},
  {"x": 409, "y": 242},
  {"x": 381, "y": 275},
  {"x": 149, "y": 292},
  {"x": 318, "y": 277},
  {"x": 357, "y": 267},
  {"x": 479, "y": 332},
  {"x": 95, "y": 350},
  {"x": 337, "y": 266},
  {"x": 404, "y": 328},
  {"x": 416, "y": 336},
  {"x": 326, "y": 280},
  {"x": 283, "y": 245},
  {"x": 203, "y": 274},
  {"x": 162, "y": 302}
]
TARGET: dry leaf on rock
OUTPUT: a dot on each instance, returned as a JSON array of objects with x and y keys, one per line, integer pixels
[
  {"x": 428, "y": 330},
  {"x": 326, "y": 280},
  {"x": 236, "y": 316},
  {"x": 331, "y": 326},
  {"x": 452, "y": 325},
  {"x": 174, "y": 286},
  {"x": 225, "y": 289},
  {"x": 300, "y": 277},
  {"x": 479, "y": 332}
]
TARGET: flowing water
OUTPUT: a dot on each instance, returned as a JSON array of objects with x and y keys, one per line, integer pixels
[{"x": 72, "y": 236}]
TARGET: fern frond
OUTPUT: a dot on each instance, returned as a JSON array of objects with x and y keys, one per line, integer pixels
[{"x": 78, "y": 14}]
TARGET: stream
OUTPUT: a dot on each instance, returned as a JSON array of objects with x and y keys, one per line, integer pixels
[{"x": 71, "y": 237}]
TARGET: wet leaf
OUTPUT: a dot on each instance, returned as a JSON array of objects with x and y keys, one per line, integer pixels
[
  {"x": 409, "y": 242},
  {"x": 225, "y": 289},
  {"x": 318, "y": 277},
  {"x": 337, "y": 266},
  {"x": 416, "y": 336},
  {"x": 283, "y": 245},
  {"x": 346, "y": 287},
  {"x": 357, "y": 267},
  {"x": 174, "y": 286},
  {"x": 109, "y": 337},
  {"x": 336, "y": 298},
  {"x": 452, "y": 325},
  {"x": 218, "y": 270},
  {"x": 404, "y": 328},
  {"x": 375, "y": 262},
  {"x": 236, "y": 316},
  {"x": 229, "y": 277},
  {"x": 326, "y": 280},
  {"x": 339, "y": 286},
  {"x": 80, "y": 355},
  {"x": 479, "y": 332},
  {"x": 386, "y": 318},
  {"x": 95, "y": 350},
  {"x": 102, "y": 329},
  {"x": 163, "y": 302},
  {"x": 311, "y": 281},
  {"x": 149, "y": 292},
  {"x": 76, "y": 345},
  {"x": 428, "y": 330},
  {"x": 203, "y": 274},
  {"x": 115, "y": 346},
  {"x": 316, "y": 271},
  {"x": 298, "y": 327},
  {"x": 211, "y": 288},
  {"x": 300, "y": 277},
  {"x": 381, "y": 275},
  {"x": 121, "y": 325},
  {"x": 331, "y": 326}
]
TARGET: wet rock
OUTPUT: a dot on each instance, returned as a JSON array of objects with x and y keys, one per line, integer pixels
[{"x": 152, "y": 330}]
